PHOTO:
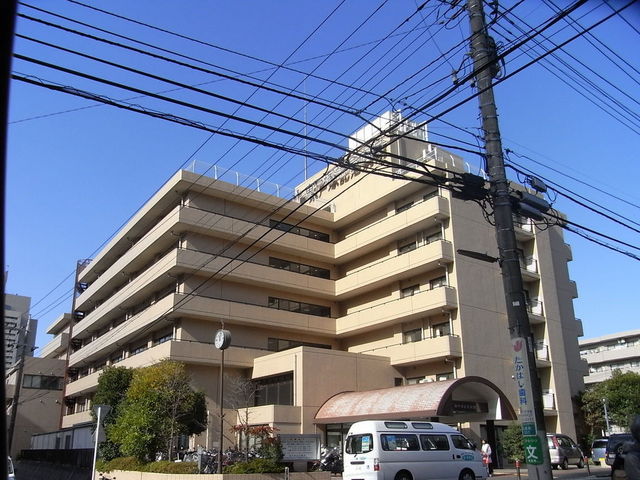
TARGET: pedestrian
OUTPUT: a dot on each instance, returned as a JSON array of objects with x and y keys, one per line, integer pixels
[{"x": 486, "y": 456}]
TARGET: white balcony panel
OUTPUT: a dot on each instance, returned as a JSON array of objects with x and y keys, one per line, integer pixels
[
  {"x": 55, "y": 347},
  {"x": 124, "y": 332},
  {"x": 76, "y": 418},
  {"x": 427, "y": 350},
  {"x": 398, "y": 310},
  {"x": 214, "y": 310},
  {"x": 392, "y": 228},
  {"x": 394, "y": 268},
  {"x": 254, "y": 274}
]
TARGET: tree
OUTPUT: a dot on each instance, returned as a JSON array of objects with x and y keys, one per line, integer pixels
[
  {"x": 159, "y": 405},
  {"x": 113, "y": 384},
  {"x": 512, "y": 442},
  {"x": 240, "y": 395},
  {"x": 622, "y": 394}
]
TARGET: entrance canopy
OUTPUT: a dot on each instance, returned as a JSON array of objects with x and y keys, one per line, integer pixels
[{"x": 459, "y": 400}]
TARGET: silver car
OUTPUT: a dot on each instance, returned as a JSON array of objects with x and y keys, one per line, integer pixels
[
  {"x": 564, "y": 451},
  {"x": 599, "y": 450}
]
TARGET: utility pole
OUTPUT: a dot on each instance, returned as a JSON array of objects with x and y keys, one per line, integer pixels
[
  {"x": 20, "y": 343},
  {"x": 483, "y": 52}
]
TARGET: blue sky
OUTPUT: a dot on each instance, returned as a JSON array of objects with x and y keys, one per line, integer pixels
[{"x": 77, "y": 171}]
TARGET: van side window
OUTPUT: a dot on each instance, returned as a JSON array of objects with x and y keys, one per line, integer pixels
[
  {"x": 399, "y": 442},
  {"x": 461, "y": 442},
  {"x": 434, "y": 442},
  {"x": 359, "y": 443}
]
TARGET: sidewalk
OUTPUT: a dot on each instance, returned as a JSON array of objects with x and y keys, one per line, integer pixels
[{"x": 592, "y": 473}]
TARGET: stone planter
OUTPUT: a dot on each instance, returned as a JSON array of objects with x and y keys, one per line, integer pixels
[{"x": 125, "y": 475}]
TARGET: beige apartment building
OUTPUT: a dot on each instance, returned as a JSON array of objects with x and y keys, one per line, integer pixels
[{"x": 361, "y": 290}]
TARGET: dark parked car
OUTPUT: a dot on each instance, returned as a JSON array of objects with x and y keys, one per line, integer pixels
[
  {"x": 564, "y": 451},
  {"x": 614, "y": 446}
]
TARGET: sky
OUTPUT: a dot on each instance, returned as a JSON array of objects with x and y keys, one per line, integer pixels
[{"x": 78, "y": 169}]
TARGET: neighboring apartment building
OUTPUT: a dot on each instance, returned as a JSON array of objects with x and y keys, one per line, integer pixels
[
  {"x": 367, "y": 292},
  {"x": 39, "y": 400},
  {"x": 617, "y": 351},
  {"x": 19, "y": 329}
]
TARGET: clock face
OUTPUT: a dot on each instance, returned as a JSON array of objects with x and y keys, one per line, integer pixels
[{"x": 222, "y": 339}]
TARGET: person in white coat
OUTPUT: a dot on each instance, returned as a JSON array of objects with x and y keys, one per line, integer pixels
[{"x": 486, "y": 456}]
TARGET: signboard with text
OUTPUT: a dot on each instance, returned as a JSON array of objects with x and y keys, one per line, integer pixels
[{"x": 300, "y": 447}]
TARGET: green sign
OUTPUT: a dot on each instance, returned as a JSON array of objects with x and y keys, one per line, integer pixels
[
  {"x": 532, "y": 450},
  {"x": 528, "y": 429}
]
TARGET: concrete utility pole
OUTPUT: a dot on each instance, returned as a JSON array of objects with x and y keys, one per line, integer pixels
[
  {"x": 20, "y": 343},
  {"x": 483, "y": 52}
]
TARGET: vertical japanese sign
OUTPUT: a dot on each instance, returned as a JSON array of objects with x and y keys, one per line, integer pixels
[{"x": 533, "y": 449}]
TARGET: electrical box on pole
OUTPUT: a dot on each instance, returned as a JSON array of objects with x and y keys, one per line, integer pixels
[{"x": 484, "y": 56}]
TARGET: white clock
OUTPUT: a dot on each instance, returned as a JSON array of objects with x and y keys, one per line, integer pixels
[{"x": 222, "y": 339}]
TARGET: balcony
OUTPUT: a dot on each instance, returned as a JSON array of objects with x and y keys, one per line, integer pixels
[
  {"x": 426, "y": 350},
  {"x": 76, "y": 418},
  {"x": 398, "y": 310},
  {"x": 394, "y": 269},
  {"x": 549, "y": 403},
  {"x": 535, "y": 308},
  {"x": 55, "y": 347},
  {"x": 573, "y": 289},
  {"x": 59, "y": 324},
  {"x": 529, "y": 268},
  {"x": 391, "y": 228},
  {"x": 278, "y": 414},
  {"x": 569, "y": 252},
  {"x": 542, "y": 356},
  {"x": 579, "y": 329},
  {"x": 214, "y": 309},
  {"x": 524, "y": 227},
  {"x": 188, "y": 352}
]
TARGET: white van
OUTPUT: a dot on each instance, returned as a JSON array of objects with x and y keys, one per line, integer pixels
[{"x": 408, "y": 450}]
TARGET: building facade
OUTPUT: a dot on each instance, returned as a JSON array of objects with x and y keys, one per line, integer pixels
[
  {"x": 38, "y": 402},
  {"x": 360, "y": 289},
  {"x": 604, "y": 354},
  {"x": 19, "y": 329}
]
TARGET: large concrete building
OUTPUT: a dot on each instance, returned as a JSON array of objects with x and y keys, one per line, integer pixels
[
  {"x": 38, "y": 402},
  {"x": 604, "y": 354},
  {"x": 361, "y": 290},
  {"x": 19, "y": 329}
]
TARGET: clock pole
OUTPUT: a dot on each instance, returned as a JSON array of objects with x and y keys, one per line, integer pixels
[{"x": 221, "y": 341}]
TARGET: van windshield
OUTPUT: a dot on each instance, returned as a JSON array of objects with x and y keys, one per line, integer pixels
[{"x": 359, "y": 443}]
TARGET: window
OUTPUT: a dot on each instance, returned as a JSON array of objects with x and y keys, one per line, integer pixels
[
  {"x": 411, "y": 336},
  {"x": 461, "y": 442},
  {"x": 299, "y": 268},
  {"x": 444, "y": 376},
  {"x": 407, "y": 247},
  {"x": 441, "y": 329},
  {"x": 429, "y": 195},
  {"x": 432, "y": 237},
  {"x": 164, "y": 338},
  {"x": 43, "y": 382},
  {"x": 280, "y": 344},
  {"x": 140, "y": 348},
  {"x": 409, "y": 291},
  {"x": 305, "y": 232},
  {"x": 404, "y": 207},
  {"x": 116, "y": 358},
  {"x": 274, "y": 390},
  {"x": 415, "y": 380},
  {"x": 434, "y": 442},
  {"x": 359, "y": 443},
  {"x": 438, "y": 282},
  {"x": 399, "y": 442},
  {"x": 300, "y": 307}
]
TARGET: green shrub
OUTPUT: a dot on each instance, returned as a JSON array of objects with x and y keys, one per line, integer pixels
[
  {"x": 259, "y": 465},
  {"x": 166, "y": 466},
  {"x": 121, "y": 463}
]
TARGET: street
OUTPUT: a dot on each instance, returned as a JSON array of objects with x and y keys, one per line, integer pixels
[{"x": 572, "y": 472}]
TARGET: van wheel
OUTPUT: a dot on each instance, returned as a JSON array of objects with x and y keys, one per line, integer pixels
[
  {"x": 467, "y": 475},
  {"x": 403, "y": 475},
  {"x": 565, "y": 464}
]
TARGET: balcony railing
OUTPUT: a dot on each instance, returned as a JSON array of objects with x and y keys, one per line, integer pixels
[
  {"x": 549, "y": 401},
  {"x": 542, "y": 352},
  {"x": 535, "y": 307},
  {"x": 530, "y": 264}
]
